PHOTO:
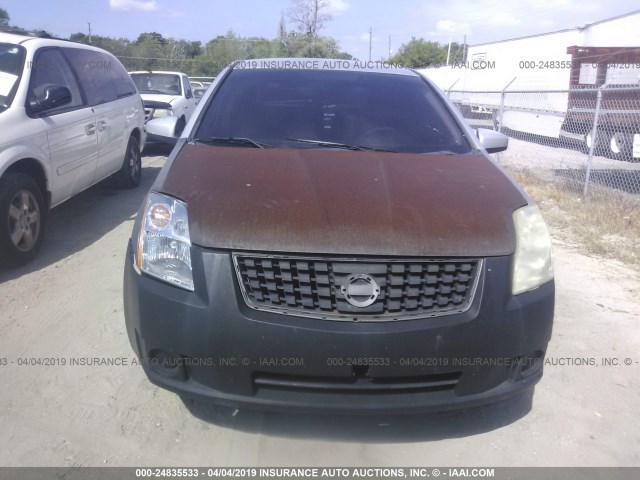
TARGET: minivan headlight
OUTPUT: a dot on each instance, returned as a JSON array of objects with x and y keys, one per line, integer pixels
[
  {"x": 164, "y": 244},
  {"x": 533, "y": 264}
]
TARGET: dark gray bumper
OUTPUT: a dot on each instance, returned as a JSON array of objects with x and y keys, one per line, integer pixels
[{"x": 236, "y": 356}]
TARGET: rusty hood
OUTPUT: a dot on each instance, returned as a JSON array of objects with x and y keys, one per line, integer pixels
[{"x": 344, "y": 202}]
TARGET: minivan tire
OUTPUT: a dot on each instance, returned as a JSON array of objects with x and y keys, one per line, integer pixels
[
  {"x": 130, "y": 173},
  {"x": 22, "y": 219}
]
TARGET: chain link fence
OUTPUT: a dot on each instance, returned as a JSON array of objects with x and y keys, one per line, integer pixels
[{"x": 585, "y": 138}]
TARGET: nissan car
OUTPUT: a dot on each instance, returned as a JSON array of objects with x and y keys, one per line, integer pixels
[{"x": 328, "y": 236}]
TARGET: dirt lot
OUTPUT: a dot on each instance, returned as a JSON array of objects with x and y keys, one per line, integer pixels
[{"x": 68, "y": 304}]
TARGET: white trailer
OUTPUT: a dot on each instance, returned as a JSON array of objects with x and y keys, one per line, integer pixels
[{"x": 589, "y": 56}]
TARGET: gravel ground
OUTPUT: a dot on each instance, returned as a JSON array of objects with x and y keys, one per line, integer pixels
[{"x": 68, "y": 305}]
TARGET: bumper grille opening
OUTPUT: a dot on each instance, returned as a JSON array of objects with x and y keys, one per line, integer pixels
[
  {"x": 356, "y": 385},
  {"x": 319, "y": 287}
]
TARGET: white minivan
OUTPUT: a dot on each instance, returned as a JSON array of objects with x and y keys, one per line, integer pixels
[{"x": 70, "y": 116}]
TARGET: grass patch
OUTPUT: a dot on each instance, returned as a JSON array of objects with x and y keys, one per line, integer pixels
[{"x": 605, "y": 223}]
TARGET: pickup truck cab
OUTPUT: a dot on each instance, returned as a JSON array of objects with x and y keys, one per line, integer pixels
[{"x": 165, "y": 94}]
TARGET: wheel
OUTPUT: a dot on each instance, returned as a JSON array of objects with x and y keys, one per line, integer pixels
[
  {"x": 131, "y": 171},
  {"x": 180, "y": 124},
  {"x": 620, "y": 146},
  {"x": 588, "y": 139},
  {"x": 22, "y": 219}
]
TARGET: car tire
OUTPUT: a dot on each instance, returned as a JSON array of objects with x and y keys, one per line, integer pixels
[
  {"x": 620, "y": 145},
  {"x": 130, "y": 173},
  {"x": 600, "y": 142},
  {"x": 181, "y": 123},
  {"x": 22, "y": 219}
]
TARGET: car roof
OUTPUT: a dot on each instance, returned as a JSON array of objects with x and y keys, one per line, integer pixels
[
  {"x": 371, "y": 66},
  {"x": 158, "y": 71},
  {"x": 31, "y": 42}
]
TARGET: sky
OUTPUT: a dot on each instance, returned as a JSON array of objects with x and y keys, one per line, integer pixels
[{"x": 393, "y": 22}]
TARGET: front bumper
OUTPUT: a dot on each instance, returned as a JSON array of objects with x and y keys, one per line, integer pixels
[{"x": 209, "y": 344}]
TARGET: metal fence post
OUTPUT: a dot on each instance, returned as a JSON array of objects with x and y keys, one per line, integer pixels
[
  {"x": 502, "y": 94},
  {"x": 449, "y": 89},
  {"x": 594, "y": 136}
]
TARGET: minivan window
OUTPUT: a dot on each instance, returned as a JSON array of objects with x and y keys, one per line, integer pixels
[
  {"x": 50, "y": 68},
  {"x": 121, "y": 80},
  {"x": 92, "y": 68},
  {"x": 158, "y": 83},
  {"x": 11, "y": 65},
  {"x": 401, "y": 113}
]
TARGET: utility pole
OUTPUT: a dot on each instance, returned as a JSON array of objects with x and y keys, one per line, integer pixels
[
  {"x": 89, "y": 33},
  {"x": 389, "y": 46},
  {"x": 464, "y": 50},
  {"x": 370, "y": 41}
]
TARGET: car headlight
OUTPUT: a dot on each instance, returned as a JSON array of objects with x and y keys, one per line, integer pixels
[
  {"x": 164, "y": 244},
  {"x": 533, "y": 264},
  {"x": 162, "y": 112}
]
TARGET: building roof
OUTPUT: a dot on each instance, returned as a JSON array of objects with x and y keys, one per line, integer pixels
[{"x": 574, "y": 29}]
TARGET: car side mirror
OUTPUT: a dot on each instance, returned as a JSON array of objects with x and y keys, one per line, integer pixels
[
  {"x": 54, "y": 96},
  {"x": 492, "y": 141},
  {"x": 163, "y": 129}
]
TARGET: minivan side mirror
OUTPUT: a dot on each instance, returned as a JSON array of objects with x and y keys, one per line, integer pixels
[
  {"x": 492, "y": 141},
  {"x": 54, "y": 96}
]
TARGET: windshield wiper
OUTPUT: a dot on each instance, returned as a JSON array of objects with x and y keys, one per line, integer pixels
[
  {"x": 345, "y": 146},
  {"x": 241, "y": 141},
  {"x": 441, "y": 152}
]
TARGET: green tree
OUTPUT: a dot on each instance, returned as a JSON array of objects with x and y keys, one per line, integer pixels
[
  {"x": 79, "y": 37},
  {"x": 192, "y": 49},
  {"x": 4, "y": 17},
  {"x": 420, "y": 53},
  {"x": 261, "y": 48},
  {"x": 151, "y": 51},
  {"x": 148, "y": 54},
  {"x": 154, "y": 35},
  {"x": 224, "y": 49}
]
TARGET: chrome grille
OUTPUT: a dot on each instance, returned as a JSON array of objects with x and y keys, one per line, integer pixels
[{"x": 316, "y": 286}]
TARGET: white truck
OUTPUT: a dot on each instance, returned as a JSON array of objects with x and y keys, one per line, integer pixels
[{"x": 165, "y": 94}]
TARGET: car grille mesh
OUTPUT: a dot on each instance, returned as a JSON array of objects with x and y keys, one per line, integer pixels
[
  {"x": 315, "y": 287},
  {"x": 357, "y": 385}
]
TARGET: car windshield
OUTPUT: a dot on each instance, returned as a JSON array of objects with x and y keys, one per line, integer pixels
[
  {"x": 158, "y": 83},
  {"x": 318, "y": 108},
  {"x": 11, "y": 63}
]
